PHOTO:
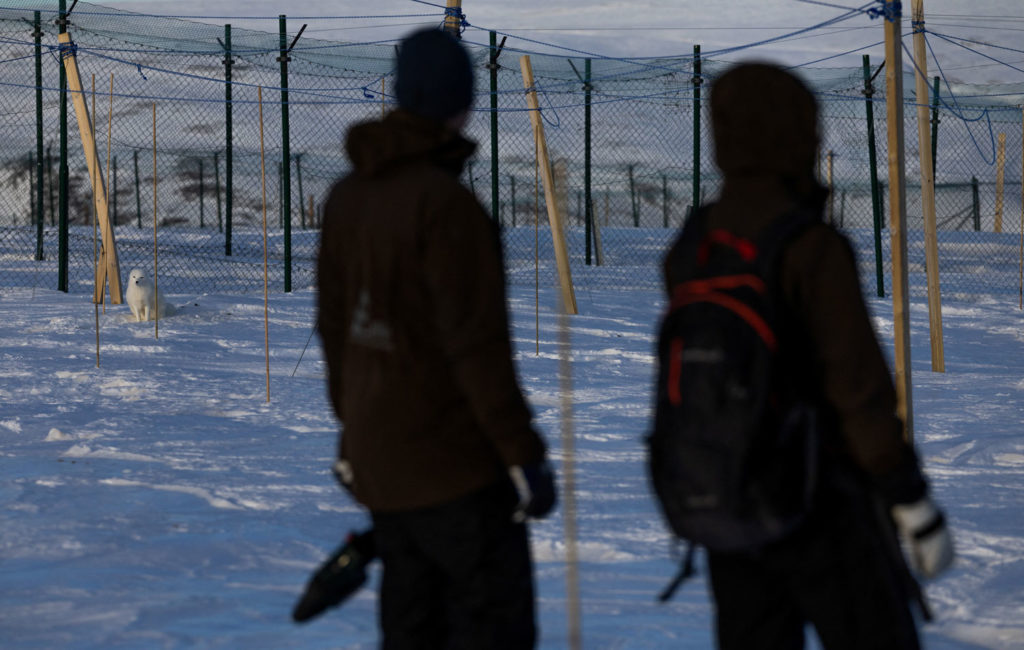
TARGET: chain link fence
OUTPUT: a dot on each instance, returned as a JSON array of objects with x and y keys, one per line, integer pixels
[{"x": 178, "y": 108}]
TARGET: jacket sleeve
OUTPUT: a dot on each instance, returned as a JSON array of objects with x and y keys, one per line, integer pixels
[
  {"x": 464, "y": 275},
  {"x": 331, "y": 322},
  {"x": 820, "y": 274}
]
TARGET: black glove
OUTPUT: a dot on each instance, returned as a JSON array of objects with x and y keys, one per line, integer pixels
[
  {"x": 535, "y": 484},
  {"x": 340, "y": 576}
]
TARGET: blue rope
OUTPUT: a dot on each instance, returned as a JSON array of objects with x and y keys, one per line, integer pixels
[
  {"x": 889, "y": 10},
  {"x": 957, "y": 112}
]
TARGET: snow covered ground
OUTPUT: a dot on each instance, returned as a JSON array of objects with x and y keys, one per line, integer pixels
[{"x": 160, "y": 501}]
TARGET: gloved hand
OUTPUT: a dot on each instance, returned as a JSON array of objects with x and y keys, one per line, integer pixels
[
  {"x": 535, "y": 484},
  {"x": 923, "y": 528},
  {"x": 342, "y": 471}
]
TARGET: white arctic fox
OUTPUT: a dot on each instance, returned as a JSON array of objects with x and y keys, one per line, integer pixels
[{"x": 143, "y": 299}]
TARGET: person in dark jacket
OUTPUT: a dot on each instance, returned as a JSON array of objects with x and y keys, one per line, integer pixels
[
  {"x": 436, "y": 438},
  {"x": 842, "y": 571}
]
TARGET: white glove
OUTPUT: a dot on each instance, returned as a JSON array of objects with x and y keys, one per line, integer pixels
[{"x": 923, "y": 527}]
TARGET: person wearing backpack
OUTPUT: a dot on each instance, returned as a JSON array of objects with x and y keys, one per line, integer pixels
[
  {"x": 437, "y": 440},
  {"x": 776, "y": 443}
]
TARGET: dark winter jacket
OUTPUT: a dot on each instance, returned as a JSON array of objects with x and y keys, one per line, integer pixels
[
  {"x": 766, "y": 150},
  {"x": 414, "y": 323}
]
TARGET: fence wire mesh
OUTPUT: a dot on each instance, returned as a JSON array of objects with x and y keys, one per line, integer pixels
[{"x": 197, "y": 164}]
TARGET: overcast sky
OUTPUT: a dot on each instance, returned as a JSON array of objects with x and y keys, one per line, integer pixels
[{"x": 655, "y": 27}]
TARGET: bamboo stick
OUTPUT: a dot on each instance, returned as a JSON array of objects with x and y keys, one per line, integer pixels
[{"x": 263, "y": 189}]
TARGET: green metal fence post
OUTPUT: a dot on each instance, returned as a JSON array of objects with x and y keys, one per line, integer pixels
[
  {"x": 493, "y": 68},
  {"x": 216, "y": 181},
  {"x": 62, "y": 227},
  {"x": 228, "y": 144},
  {"x": 876, "y": 207},
  {"x": 286, "y": 155},
  {"x": 38, "y": 36},
  {"x": 588, "y": 213},
  {"x": 935, "y": 128},
  {"x": 697, "y": 81},
  {"x": 49, "y": 183},
  {"x": 202, "y": 194},
  {"x": 138, "y": 194}
]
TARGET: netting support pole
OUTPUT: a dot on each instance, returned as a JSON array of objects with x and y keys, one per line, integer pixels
[
  {"x": 927, "y": 164},
  {"x": 38, "y": 36},
  {"x": 697, "y": 81},
  {"x": 286, "y": 155},
  {"x": 228, "y": 143},
  {"x": 62, "y": 183},
  {"x": 898, "y": 214},
  {"x": 49, "y": 183},
  {"x": 588, "y": 201},
  {"x": 493, "y": 69},
  {"x": 876, "y": 205}
]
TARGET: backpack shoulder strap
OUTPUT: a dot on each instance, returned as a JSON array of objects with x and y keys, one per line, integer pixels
[{"x": 776, "y": 237}]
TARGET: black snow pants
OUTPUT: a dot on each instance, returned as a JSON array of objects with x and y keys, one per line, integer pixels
[
  {"x": 842, "y": 573},
  {"x": 456, "y": 576}
]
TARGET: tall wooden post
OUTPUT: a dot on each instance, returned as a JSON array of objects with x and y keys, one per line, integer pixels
[
  {"x": 924, "y": 141},
  {"x": 109, "y": 270},
  {"x": 898, "y": 213},
  {"x": 452, "y": 18},
  {"x": 557, "y": 233}
]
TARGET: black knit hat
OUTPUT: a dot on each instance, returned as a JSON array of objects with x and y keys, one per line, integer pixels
[{"x": 434, "y": 77}]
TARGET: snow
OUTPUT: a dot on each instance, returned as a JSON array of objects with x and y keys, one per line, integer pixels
[{"x": 161, "y": 501}]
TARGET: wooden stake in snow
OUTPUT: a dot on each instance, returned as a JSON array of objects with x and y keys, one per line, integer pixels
[{"x": 556, "y": 220}]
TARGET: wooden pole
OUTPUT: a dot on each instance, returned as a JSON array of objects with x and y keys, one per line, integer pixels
[
  {"x": 110, "y": 271},
  {"x": 156, "y": 304},
  {"x": 263, "y": 188},
  {"x": 1000, "y": 167},
  {"x": 898, "y": 214},
  {"x": 452, "y": 23},
  {"x": 557, "y": 232},
  {"x": 924, "y": 141}
]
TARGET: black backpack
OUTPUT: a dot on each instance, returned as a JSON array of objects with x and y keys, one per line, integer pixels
[{"x": 732, "y": 455}]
